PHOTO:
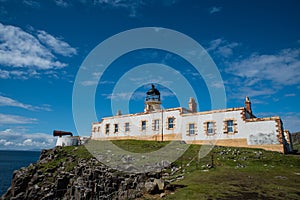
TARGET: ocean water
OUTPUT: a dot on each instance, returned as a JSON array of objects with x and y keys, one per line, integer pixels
[{"x": 12, "y": 160}]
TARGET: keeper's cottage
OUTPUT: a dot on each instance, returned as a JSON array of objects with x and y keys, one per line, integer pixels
[{"x": 227, "y": 127}]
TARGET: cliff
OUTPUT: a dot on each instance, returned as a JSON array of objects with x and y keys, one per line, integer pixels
[
  {"x": 72, "y": 173},
  {"x": 223, "y": 173}
]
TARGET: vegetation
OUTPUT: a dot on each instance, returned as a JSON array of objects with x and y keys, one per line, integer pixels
[
  {"x": 240, "y": 173},
  {"x": 296, "y": 147},
  {"x": 139, "y": 146},
  {"x": 224, "y": 173},
  {"x": 230, "y": 173},
  {"x": 74, "y": 154}
]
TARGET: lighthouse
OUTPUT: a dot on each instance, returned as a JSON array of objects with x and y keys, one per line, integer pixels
[{"x": 152, "y": 102}]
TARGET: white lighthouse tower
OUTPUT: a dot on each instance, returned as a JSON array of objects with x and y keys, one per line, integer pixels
[{"x": 152, "y": 102}]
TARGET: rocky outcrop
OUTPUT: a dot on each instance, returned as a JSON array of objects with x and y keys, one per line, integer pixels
[{"x": 71, "y": 173}]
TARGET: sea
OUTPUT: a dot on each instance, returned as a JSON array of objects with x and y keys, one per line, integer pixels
[{"x": 13, "y": 160}]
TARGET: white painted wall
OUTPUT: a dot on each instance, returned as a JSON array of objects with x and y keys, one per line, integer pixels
[
  {"x": 98, "y": 129},
  {"x": 67, "y": 141},
  {"x": 218, "y": 118},
  {"x": 260, "y": 132}
]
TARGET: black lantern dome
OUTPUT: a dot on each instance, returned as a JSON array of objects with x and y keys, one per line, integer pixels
[{"x": 153, "y": 94}]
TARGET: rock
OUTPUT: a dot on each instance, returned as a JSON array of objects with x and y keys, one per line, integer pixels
[
  {"x": 151, "y": 188},
  {"x": 281, "y": 177},
  {"x": 160, "y": 183},
  {"x": 87, "y": 179},
  {"x": 162, "y": 195}
]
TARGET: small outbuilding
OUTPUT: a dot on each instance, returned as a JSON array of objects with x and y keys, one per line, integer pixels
[{"x": 66, "y": 138}]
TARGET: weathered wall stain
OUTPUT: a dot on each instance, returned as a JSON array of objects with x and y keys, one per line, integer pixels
[{"x": 263, "y": 138}]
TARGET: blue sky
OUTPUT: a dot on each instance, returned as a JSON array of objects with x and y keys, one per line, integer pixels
[{"x": 255, "y": 45}]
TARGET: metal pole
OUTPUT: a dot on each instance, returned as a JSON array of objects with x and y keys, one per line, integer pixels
[{"x": 162, "y": 125}]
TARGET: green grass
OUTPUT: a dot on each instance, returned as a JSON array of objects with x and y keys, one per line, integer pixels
[
  {"x": 62, "y": 154},
  {"x": 263, "y": 175},
  {"x": 139, "y": 146},
  {"x": 297, "y": 147}
]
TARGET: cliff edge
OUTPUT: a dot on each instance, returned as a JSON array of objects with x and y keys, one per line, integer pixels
[{"x": 72, "y": 173}]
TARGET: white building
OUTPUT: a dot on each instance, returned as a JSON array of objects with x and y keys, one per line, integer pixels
[
  {"x": 227, "y": 127},
  {"x": 67, "y": 141},
  {"x": 66, "y": 138}
]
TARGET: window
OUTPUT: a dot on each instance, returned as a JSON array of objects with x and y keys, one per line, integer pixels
[
  {"x": 171, "y": 122},
  {"x": 116, "y": 128},
  {"x": 156, "y": 125},
  {"x": 191, "y": 129},
  {"x": 107, "y": 128},
  {"x": 210, "y": 127},
  {"x": 230, "y": 126},
  {"x": 126, "y": 126},
  {"x": 143, "y": 125}
]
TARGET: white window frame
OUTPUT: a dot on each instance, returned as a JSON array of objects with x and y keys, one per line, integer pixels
[
  {"x": 127, "y": 127},
  {"x": 156, "y": 125}
]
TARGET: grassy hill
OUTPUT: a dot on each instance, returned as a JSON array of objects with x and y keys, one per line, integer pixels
[
  {"x": 224, "y": 173},
  {"x": 238, "y": 173}
]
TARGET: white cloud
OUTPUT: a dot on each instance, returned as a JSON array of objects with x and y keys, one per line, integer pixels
[
  {"x": 123, "y": 95},
  {"x": 4, "y": 74},
  {"x": 214, "y": 9},
  {"x": 136, "y": 95},
  {"x": 6, "y": 101},
  {"x": 32, "y": 3},
  {"x": 291, "y": 122},
  {"x": 18, "y": 139},
  {"x": 222, "y": 47},
  {"x": 290, "y": 95},
  {"x": 242, "y": 91},
  {"x": 15, "y": 119},
  {"x": 281, "y": 69},
  {"x": 132, "y": 5},
  {"x": 57, "y": 45},
  {"x": 62, "y": 3},
  {"x": 23, "y": 54},
  {"x": 89, "y": 83},
  {"x": 94, "y": 80}
]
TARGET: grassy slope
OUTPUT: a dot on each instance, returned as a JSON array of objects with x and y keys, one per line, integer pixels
[
  {"x": 238, "y": 173},
  {"x": 265, "y": 175}
]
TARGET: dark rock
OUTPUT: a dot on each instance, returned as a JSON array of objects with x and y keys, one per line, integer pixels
[{"x": 88, "y": 179}]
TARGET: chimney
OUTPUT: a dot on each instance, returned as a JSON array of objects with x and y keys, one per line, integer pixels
[
  {"x": 119, "y": 112},
  {"x": 248, "y": 105},
  {"x": 192, "y": 105}
]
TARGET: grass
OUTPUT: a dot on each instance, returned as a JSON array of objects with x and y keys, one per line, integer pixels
[
  {"x": 62, "y": 155},
  {"x": 238, "y": 173},
  {"x": 139, "y": 146},
  {"x": 297, "y": 147}
]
